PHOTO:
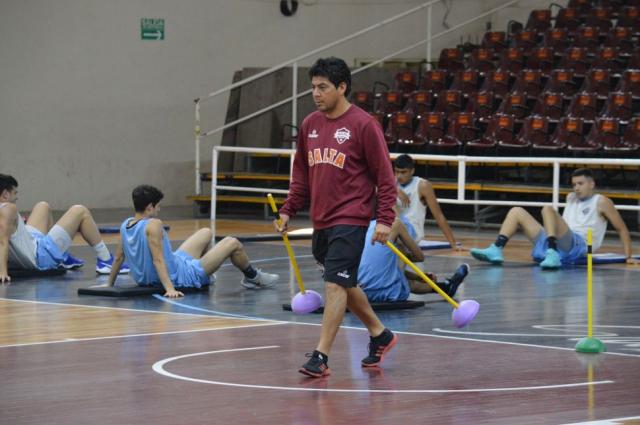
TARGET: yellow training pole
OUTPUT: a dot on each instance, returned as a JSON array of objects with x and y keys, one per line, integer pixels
[
  {"x": 422, "y": 275},
  {"x": 292, "y": 257},
  {"x": 590, "y": 344},
  {"x": 589, "y": 285}
]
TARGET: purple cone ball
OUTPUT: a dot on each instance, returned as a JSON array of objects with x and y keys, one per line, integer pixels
[
  {"x": 465, "y": 313},
  {"x": 307, "y": 302}
]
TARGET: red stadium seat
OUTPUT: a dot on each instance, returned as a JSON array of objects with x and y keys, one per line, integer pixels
[
  {"x": 525, "y": 40},
  {"x": 434, "y": 80},
  {"x": 482, "y": 105},
  {"x": 541, "y": 58},
  {"x": 549, "y": 146},
  {"x": 400, "y": 129},
  {"x": 562, "y": 81},
  {"x": 599, "y": 17},
  {"x": 587, "y": 37},
  {"x": 619, "y": 105},
  {"x": 466, "y": 81},
  {"x": 506, "y": 139},
  {"x": 406, "y": 82},
  {"x": 550, "y": 105},
  {"x": 451, "y": 59},
  {"x": 568, "y": 18},
  {"x": 461, "y": 129},
  {"x": 442, "y": 144},
  {"x": 631, "y": 137},
  {"x": 629, "y": 16},
  {"x": 597, "y": 81},
  {"x": 419, "y": 103},
  {"x": 556, "y": 38},
  {"x": 482, "y": 60},
  {"x": 606, "y": 133},
  {"x": 622, "y": 38},
  {"x": 515, "y": 104},
  {"x": 389, "y": 102},
  {"x": 449, "y": 101},
  {"x": 499, "y": 130},
  {"x": 535, "y": 131},
  {"x": 512, "y": 60},
  {"x": 528, "y": 81},
  {"x": 630, "y": 82},
  {"x": 497, "y": 82},
  {"x": 584, "y": 105},
  {"x": 570, "y": 131},
  {"x": 495, "y": 40},
  {"x": 431, "y": 128},
  {"x": 582, "y": 6},
  {"x": 603, "y": 128},
  {"x": 577, "y": 59},
  {"x": 608, "y": 57},
  {"x": 363, "y": 99},
  {"x": 539, "y": 20}
]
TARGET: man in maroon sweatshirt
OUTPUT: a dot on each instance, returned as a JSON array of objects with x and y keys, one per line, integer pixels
[{"x": 341, "y": 168}]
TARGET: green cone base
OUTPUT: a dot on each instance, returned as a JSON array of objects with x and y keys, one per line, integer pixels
[{"x": 590, "y": 345}]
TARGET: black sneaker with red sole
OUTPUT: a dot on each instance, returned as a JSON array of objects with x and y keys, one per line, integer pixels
[
  {"x": 316, "y": 366},
  {"x": 377, "y": 350}
]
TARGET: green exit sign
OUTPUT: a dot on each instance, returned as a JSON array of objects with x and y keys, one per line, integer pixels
[{"x": 151, "y": 29}]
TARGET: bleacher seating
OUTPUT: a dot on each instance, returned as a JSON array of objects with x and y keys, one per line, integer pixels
[{"x": 552, "y": 86}]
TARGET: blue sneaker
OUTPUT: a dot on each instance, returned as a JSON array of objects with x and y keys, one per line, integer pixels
[
  {"x": 491, "y": 254},
  {"x": 551, "y": 260},
  {"x": 71, "y": 263},
  {"x": 104, "y": 267}
]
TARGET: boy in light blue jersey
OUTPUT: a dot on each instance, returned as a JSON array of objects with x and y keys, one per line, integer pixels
[
  {"x": 383, "y": 278},
  {"x": 146, "y": 247}
]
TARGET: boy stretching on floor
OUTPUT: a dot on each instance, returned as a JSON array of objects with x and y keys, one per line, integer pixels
[{"x": 145, "y": 245}]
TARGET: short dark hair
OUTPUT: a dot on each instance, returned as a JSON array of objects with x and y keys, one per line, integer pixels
[
  {"x": 7, "y": 182},
  {"x": 333, "y": 69},
  {"x": 404, "y": 161},
  {"x": 144, "y": 195},
  {"x": 582, "y": 172}
]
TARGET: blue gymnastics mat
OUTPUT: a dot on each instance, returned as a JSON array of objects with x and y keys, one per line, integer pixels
[
  {"x": 427, "y": 245},
  {"x": 605, "y": 258}
]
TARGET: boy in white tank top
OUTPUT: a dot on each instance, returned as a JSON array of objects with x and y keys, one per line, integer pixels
[
  {"x": 415, "y": 194},
  {"x": 42, "y": 244},
  {"x": 562, "y": 239}
]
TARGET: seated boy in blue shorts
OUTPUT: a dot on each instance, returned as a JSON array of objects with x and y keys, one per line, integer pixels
[
  {"x": 561, "y": 239},
  {"x": 382, "y": 275},
  {"x": 41, "y": 244},
  {"x": 146, "y": 247}
]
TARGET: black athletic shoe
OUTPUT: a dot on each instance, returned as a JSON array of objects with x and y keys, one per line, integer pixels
[
  {"x": 316, "y": 366},
  {"x": 456, "y": 279},
  {"x": 378, "y": 347}
]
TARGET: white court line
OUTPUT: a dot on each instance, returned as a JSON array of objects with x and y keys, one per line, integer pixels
[
  {"x": 450, "y": 331},
  {"x": 117, "y": 308},
  {"x": 158, "y": 367},
  {"x": 282, "y": 322},
  {"x": 614, "y": 421},
  {"x": 98, "y": 338},
  {"x": 553, "y": 327}
]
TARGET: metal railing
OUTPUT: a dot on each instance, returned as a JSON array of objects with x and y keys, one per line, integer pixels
[
  {"x": 461, "y": 161},
  {"x": 294, "y": 63}
]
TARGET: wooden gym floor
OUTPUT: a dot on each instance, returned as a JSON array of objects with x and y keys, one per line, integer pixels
[{"x": 231, "y": 356}]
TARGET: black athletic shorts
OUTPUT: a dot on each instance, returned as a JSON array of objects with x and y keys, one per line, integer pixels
[{"x": 339, "y": 249}]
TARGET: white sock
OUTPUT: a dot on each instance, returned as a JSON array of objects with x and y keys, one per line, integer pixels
[{"x": 102, "y": 252}]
